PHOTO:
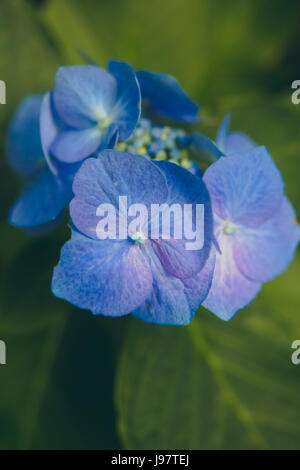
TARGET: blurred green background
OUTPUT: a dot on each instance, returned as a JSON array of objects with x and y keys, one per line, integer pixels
[{"x": 74, "y": 381}]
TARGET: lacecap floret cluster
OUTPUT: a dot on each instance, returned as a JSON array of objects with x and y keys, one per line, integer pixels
[{"x": 104, "y": 133}]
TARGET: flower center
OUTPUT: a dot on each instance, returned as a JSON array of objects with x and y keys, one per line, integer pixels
[
  {"x": 159, "y": 143},
  {"x": 104, "y": 122},
  {"x": 139, "y": 238},
  {"x": 229, "y": 228}
]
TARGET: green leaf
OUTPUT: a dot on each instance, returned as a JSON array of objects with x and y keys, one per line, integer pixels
[
  {"x": 52, "y": 393},
  {"x": 213, "y": 385},
  {"x": 56, "y": 387}
]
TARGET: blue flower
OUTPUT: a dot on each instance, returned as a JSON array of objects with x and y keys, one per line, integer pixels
[
  {"x": 45, "y": 194},
  {"x": 254, "y": 225},
  {"x": 91, "y": 108},
  {"x": 156, "y": 279}
]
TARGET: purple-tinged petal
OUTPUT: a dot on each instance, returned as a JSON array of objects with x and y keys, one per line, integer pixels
[
  {"x": 72, "y": 145},
  {"x": 230, "y": 290},
  {"x": 232, "y": 142},
  {"x": 236, "y": 142},
  {"x": 177, "y": 257},
  {"x": 111, "y": 175},
  {"x": 166, "y": 97},
  {"x": 197, "y": 287},
  {"x": 41, "y": 202},
  {"x": 174, "y": 301},
  {"x": 245, "y": 189},
  {"x": 105, "y": 276},
  {"x": 24, "y": 147},
  {"x": 264, "y": 252},
  {"x": 84, "y": 94},
  {"x": 127, "y": 109},
  {"x": 167, "y": 304}
]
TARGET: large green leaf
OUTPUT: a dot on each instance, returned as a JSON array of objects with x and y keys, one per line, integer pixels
[
  {"x": 214, "y": 385},
  {"x": 56, "y": 387}
]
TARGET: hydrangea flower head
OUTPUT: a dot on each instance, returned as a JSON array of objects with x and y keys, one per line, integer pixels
[
  {"x": 95, "y": 140},
  {"x": 155, "y": 279}
]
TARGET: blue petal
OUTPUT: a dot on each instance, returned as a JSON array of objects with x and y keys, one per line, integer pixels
[
  {"x": 184, "y": 188},
  {"x": 176, "y": 259},
  {"x": 24, "y": 144},
  {"x": 166, "y": 96},
  {"x": 127, "y": 110},
  {"x": 236, "y": 142},
  {"x": 223, "y": 133},
  {"x": 264, "y": 252},
  {"x": 245, "y": 189},
  {"x": 232, "y": 142},
  {"x": 72, "y": 145},
  {"x": 174, "y": 301},
  {"x": 42, "y": 201},
  {"x": 112, "y": 175},
  {"x": 49, "y": 128},
  {"x": 84, "y": 94},
  {"x": 195, "y": 169},
  {"x": 109, "y": 138},
  {"x": 197, "y": 287},
  {"x": 44, "y": 229},
  {"x": 230, "y": 290},
  {"x": 204, "y": 146},
  {"x": 107, "y": 277}
]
